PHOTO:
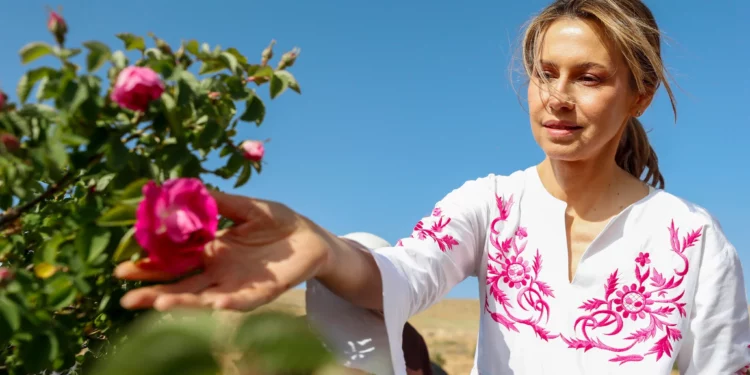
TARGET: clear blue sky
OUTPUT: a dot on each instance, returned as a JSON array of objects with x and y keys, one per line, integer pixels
[{"x": 403, "y": 101}]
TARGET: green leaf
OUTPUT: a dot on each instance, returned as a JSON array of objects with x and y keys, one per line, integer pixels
[
  {"x": 66, "y": 53},
  {"x": 170, "y": 109},
  {"x": 192, "y": 47},
  {"x": 244, "y": 175},
  {"x": 211, "y": 66},
  {"x": 119, "y": 60},
  {"x": 10, "y": 318},
  {"x": 132, "y": 41},
  {"x": 35, "y": 50},
  {"x": 36, "y": 352},
  {"x": 127, "y": 248},
  {"x": 116, "y": 153},
  {"x": 235, "y": 162},
  {"x": 134, "y": 191},
  {"x": 230, "y": 61},
  {"x": 264, "y": 72},
  {"x": 211, "y": 132},
  {"x": 99, "y": 53},
  {"x": 255, "y": 110},
  {"x": 181, "y": 345},
  {"x": 104, "y": 181},
  {"x": 73, "y": 140},
  {"x": 240, "y": 57},
  {"x": 282, "y": 80},
  {"x": 118, "y": 216},
  {"x": 28, "y": 80},
  {"x": 92, "y": 241},
  {"x": 60, "y": 291},
  {"x": 281, "y": 344},
  {"x": 50, "y": 249}
]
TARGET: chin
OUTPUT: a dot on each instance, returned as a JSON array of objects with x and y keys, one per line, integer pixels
[{"x": 569, "y": 151}]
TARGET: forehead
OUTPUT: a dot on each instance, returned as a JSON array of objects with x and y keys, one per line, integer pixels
[{"x": 575, "y": 41}]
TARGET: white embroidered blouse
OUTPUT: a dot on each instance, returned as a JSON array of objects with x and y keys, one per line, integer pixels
[{"x": 660, "y": 284}]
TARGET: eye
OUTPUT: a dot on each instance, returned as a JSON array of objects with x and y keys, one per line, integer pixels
[
  {"x": 590, "y": 80},
  {"x": 545, "y": 73}
]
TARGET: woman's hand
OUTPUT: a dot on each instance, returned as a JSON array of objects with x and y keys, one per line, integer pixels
[{"x": 269, "y": 250}]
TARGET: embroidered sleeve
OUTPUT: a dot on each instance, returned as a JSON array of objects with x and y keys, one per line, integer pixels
[
  {"x": 719, "y": 333},
  {"x": 441, "y": 252}
]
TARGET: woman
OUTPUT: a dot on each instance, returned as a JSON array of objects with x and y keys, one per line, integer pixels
[{"x": 584, "y": 267}]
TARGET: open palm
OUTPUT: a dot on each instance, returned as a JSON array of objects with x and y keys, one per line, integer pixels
[{"x": 269, "y": 250}]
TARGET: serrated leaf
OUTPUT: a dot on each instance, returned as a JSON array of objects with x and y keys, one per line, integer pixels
[
  {"x": 244, "y": 175},
  {"x": 263, "y": 72},
  {"x": 132, "y": 41},
  {"x": 127, "y": 248},
  {"x": 239, "y": 56},
  {"x": 73, "y": 140},
  {"x": 255, "y": 110},
  {"x": 230, "y": 61},
  {"x": 118, "y": 216},
  {"x": 134, "y": 190},
  {"x": 44, "y": 270},
  {"x": 192, "y": 47},
  {"x": 28, "y": 80},
  {"x": 92, "y": 241},
  {"x": 99, "y": 53},
  {"x": 34, "y": 50},
  {"x": 66, "y": 53},
  {"x": 60, "y": 292},
  {"x": 282, "y": 80},
  {"x": 9, "y": 310},
  {"x": 210, "y": 66},
  {"x": 119, "y": 60}
]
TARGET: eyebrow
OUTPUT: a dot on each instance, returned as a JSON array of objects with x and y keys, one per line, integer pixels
[{"x": 582, "y": 66}]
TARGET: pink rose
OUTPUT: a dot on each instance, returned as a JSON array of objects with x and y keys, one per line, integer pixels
[
  {"x": 136, "y": 87},
  {"x": 57, "y": 26},
  {"x": 174, "y": 222},
  {"x": 253, "y": 150},
  {"x": 6, "y": 274},
  {"x": 10, "y": 142},
  {"x": 3, "y": 99}
]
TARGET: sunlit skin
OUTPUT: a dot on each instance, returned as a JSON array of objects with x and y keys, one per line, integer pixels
[{"x": 578, "y": 118}]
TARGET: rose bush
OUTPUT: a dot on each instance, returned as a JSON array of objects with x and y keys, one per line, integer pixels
[{"x": 100, "y": 168}]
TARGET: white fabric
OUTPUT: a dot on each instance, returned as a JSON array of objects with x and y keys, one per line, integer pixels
[
  {"x": 660, "y": 284},
  {"x": 356, "y": 336}
]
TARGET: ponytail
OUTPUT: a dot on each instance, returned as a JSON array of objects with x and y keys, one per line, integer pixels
[{"x": 635, "y": 155}]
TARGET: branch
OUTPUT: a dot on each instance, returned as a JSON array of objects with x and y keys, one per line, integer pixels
[{"x": 12, "y": 214}]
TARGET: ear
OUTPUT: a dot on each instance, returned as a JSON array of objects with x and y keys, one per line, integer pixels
[{"x": 641, "y": 103}]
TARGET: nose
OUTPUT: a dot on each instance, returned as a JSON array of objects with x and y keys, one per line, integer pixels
[{"x": 556, "y": 97}]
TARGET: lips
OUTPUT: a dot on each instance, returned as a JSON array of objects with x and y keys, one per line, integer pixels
[{"x": 561, "y": 125}]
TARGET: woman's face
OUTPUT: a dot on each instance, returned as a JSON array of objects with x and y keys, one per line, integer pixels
[{"x": 583, "y": 112}]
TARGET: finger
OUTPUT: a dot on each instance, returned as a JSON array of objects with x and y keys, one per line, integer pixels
[
  {"x": 146, "y": 297},
  {"x": 166, "y": 302},
  {"x": 130, "y": 270},
  {"x": 244, "y": 300},
  {"x": 235, "y": 207}
]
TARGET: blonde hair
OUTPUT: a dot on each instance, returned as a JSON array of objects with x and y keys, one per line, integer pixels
[{"x": 631, "y": 26}]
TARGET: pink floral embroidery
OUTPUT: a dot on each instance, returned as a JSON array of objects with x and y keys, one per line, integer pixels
[
  {"x": 520, "y": 276},
  {"x": 435, "y": 231},
  {"x": 642, "y": 259},
  {"x": 652, "y": 303}
]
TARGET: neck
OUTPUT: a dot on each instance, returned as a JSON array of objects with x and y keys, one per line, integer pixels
[{"x": 581, "y": 184}]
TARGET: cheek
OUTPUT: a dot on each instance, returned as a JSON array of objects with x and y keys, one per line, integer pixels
[{"x": 604, "y": 110}]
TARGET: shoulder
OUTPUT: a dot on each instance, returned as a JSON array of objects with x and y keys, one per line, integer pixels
[
  {"x": 683, "y": 216},
  {"x": 490, "y": 186}
]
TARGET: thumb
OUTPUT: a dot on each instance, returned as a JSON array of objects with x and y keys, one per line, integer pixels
[{"x": 234, "y": 207}]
